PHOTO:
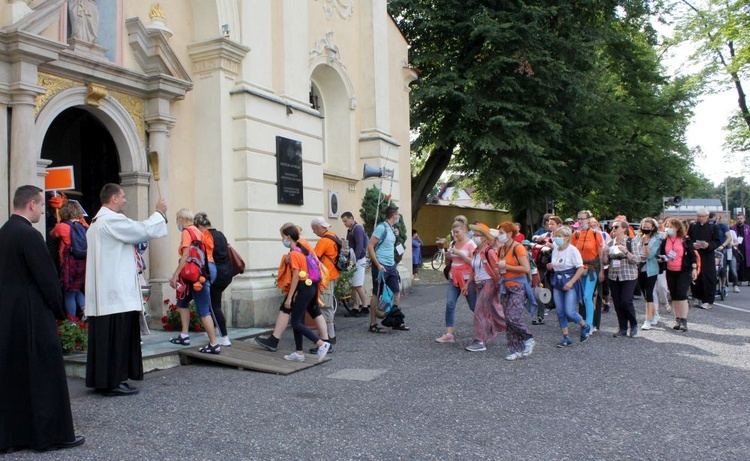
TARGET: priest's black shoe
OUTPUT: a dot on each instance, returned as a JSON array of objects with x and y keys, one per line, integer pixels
[
  {"x": 77, "y": 441},
  {"x": 122, "y": 389}
]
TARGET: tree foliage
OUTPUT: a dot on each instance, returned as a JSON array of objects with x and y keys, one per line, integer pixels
[
  {"x": 373, "y": 195},
  {"x": 540, "y": 99},
  {"x": 720, "y": 32}
]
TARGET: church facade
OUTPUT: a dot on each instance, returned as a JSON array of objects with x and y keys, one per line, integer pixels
[{"x": 260, "y": 112}]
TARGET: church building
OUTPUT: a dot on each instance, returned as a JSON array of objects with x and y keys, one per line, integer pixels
[{"x": 260, "y": 112}]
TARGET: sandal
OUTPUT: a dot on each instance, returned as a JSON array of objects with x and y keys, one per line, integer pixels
[
  {"x": 209, "y": 349},
  {"x": 402, "y": 327},
  {"x": 377, "y": 329},
  {"x": 181, "y": 340}
]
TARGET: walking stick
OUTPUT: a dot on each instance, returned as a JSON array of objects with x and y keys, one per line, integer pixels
[{"x": 153, "y": 162}]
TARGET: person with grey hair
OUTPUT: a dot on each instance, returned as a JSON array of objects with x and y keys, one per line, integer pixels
[
  {"x": 33, "y": 390},
  {"x": 706, "y": 239}
]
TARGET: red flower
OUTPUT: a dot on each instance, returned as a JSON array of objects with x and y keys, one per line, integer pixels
[
  {"x": 71, "y": 318},
  {"x": 59, "y": 322},
  {"x": 82, "y": 326},
  {"x": 59, "y": 333},
  {"x": 164, "y": 319},
  {"x": 198, "y": 328},
  {"x": 192, "y": 314},
  {"x": 166, "y": 301},
  {"x": 77, "y": 345},
  {"x": 172, "y": 308}
]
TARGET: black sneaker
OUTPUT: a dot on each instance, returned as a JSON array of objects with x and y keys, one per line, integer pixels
[
  {"x": 365, "y": 311},
  {"x": 538, "y": 321},
  {"x": 266, "y": 343},
  {"x": 314, "y": 350}
]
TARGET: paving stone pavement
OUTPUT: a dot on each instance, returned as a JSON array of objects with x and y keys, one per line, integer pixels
[{"x": 661, "y": 396}]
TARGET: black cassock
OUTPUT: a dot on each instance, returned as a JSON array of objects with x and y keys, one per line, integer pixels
[
  {"x": 34, "y": 402},
  {"x": 704, "y": 288}
]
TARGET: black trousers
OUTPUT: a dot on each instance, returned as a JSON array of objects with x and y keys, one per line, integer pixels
[{"x": 622, "y": 297}]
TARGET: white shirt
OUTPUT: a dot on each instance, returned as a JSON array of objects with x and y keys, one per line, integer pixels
[
  {"x": 569, "y": 258},
  {"x": 480, "y": 274},
  {"x": 112, "y": 285}
]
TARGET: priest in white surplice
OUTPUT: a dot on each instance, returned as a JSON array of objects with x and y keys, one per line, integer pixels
[{"x": 113, "y": 292}]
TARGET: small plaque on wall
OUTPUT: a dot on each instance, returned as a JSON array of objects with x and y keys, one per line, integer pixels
[{"x": 289, "y": 171}]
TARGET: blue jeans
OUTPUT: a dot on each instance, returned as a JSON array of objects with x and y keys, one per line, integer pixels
[
  {"x": 566, "y": 305},
  {"x": 452, "y": 297},
  {"x": 212, "y": 272},
  {"x": 589, "y": 286},
  {"x": 202, "y": 300},
  {"x": 73, "y": 299}
]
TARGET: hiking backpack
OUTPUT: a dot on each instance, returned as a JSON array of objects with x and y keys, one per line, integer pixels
[
  {"x": 196, "y": 264},
  {"x": 78, "y": 244},
  {"x": 341, "y": 261}
]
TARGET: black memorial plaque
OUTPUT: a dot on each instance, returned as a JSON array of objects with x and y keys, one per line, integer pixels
[{"x": 289, "y": 171}]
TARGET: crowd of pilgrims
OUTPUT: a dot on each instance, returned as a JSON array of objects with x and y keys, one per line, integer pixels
[{"x": 580, "y": 269}]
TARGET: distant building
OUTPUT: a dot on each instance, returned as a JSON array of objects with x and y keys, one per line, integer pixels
[{"x": 690, "y": 206}]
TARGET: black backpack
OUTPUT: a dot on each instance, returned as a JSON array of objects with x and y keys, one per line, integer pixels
[
  {"x": 78, "y": 244},
  {"x": 341, "y": 261}
]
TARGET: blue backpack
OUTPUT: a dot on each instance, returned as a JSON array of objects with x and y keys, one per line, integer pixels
[{"x": 78, "y": 244}]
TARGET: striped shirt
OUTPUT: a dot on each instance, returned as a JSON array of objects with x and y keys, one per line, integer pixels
[{"x": 622, "y": 269}]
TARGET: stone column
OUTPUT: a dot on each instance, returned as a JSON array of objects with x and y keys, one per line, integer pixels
[
  {"x": 5, "y": 198},
  {"x": 23, "y": 142},
  {"x": 162, "y": 258}
]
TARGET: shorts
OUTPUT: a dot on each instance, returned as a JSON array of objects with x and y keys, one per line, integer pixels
[
  {"x": 327, "y": 295},
  {"x": 679, "y": 284},
  {"x": 202, "y": 300},
  {"x": 358, "y": 279},
  {"x": 392, "y": 279}
]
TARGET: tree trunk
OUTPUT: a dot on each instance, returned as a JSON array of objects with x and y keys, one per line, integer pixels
[
  {"x": 741, "y": 99},
  {"x": 425, "y": 180}
]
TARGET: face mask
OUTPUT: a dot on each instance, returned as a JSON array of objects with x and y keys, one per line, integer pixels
[
  {"x": 584, "y": 226},
  {"x": 647, "y": 231},
  {"x": 287, "y": 243},
  {"x": 670, "y": 231},
  {"x": 180, "y": 228},
  {"x": 477, "y": 241},
  {"x": 559, "y": 241},
  {"x": 502, "y": 238}
]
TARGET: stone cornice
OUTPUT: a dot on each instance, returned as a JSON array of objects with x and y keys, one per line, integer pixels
[
  {"x": 23, "y": 46},
  {"x": 218, "y": 54},
  {"x": 152, "y": 51},
  {"x": 248, "y": 89},
  {"x": 38, "y": 20}
]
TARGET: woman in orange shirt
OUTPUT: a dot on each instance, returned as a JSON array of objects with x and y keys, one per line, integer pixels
[{"x": 515, "y": 292}]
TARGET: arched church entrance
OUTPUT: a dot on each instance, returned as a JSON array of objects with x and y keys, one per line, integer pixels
[{"x": 76, "y": 137}]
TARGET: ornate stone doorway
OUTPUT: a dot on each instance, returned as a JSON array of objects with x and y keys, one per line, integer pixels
[{"x": 78, "y": 138}]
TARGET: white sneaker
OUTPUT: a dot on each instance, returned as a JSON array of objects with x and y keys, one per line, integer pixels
[
  {"x": 323, "y": 350},
  {"x": 295, "y": 357},
  {"x": 655, "y": 320},
  {"x": 224, "y": 341},
  {"x": 528, "y": 347},
  {"x": 514, "y": 356},
  {"x": 646, "y": 325},
  {"x": 736, "y": 289}
]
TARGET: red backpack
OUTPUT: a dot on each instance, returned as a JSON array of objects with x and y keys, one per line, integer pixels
[{"x": 196, "y": 264}]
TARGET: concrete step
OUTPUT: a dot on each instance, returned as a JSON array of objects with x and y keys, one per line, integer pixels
[{"x": 158, "y": 352}]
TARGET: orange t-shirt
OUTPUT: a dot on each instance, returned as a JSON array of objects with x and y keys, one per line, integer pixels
[
  {"x": 194, "y": 232},
  {"x": 588, "y": 242},
  {"x": 61, "y": 231},
  {"x": 326, "y": 251},
  {"x": 513, "y": 258}
]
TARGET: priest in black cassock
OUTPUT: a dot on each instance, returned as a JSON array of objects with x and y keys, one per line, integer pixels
[
  {"x": 34, "y": 403},
  {"x": 706, "y": 239}
]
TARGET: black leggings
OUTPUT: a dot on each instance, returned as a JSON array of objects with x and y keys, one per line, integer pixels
[
  {"x": 647, "y": 285},
  {"x": 216, "y": 292},
  {"x": 300, "y": 302}
]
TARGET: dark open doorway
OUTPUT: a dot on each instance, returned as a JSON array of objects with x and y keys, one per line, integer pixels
[{"x": 77, "y": 138}]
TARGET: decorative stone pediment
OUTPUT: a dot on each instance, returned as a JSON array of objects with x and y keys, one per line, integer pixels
[
  {"x": 152, "y": 51},
  {"x": 327, "y": 48}
]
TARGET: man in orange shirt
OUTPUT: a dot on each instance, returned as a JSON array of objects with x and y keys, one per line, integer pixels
[
  {"x": 590, "y": 244},
  {"x": 327, "y": 250}
]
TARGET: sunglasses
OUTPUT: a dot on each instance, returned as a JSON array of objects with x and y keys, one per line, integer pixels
[{"x": 615, "y": 227}]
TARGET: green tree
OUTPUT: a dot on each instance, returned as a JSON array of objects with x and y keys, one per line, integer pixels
[
  {"x": 540, "y": 99},
  {"x": 720, "y": 31},
  {"x": 373, "y": 195}
]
